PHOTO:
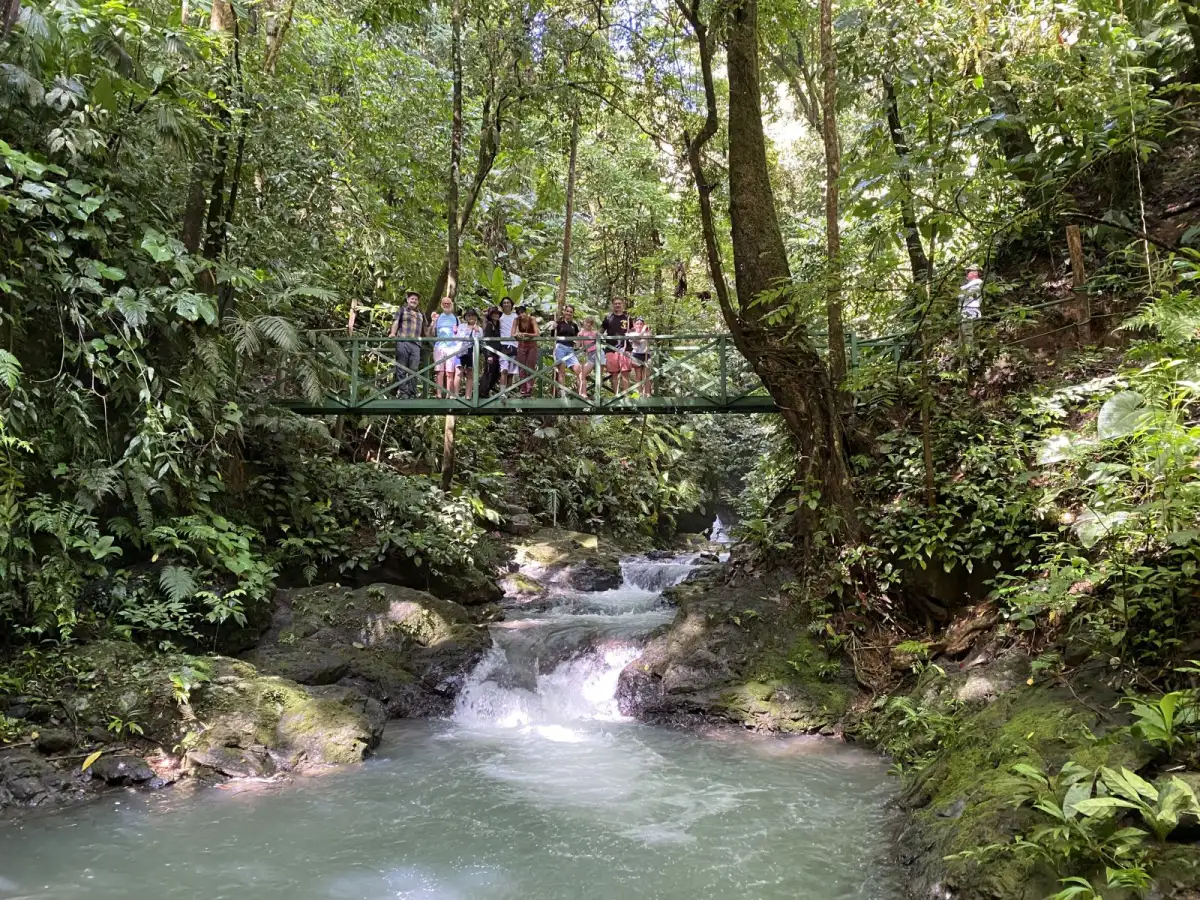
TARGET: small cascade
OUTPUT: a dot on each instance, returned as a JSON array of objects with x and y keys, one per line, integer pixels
[
  {"x": 656, "y": 574},
  {"x": 560, "y": 664}
]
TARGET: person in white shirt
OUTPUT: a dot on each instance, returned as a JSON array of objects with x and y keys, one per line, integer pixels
[
  {"x": 970, "y": 305},
  {"x": 508, "y": 346}
]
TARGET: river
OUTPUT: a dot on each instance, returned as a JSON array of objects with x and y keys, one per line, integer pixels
[{"x": 535, "y": 789}]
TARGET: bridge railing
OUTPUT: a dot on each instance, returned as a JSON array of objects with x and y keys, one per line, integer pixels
[{"x": 679, "y": 372}]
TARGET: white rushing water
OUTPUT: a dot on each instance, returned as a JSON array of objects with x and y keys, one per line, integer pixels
[
  {"x": 561, "y": 665},
  {"x": 535, "y": 789}
]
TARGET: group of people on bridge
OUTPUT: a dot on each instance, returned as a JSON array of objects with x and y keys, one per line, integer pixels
[{"x": 505, "y": 348}]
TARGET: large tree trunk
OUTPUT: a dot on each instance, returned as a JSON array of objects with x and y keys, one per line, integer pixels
[
  {"x": 787, "y": 363},
  {"x": 452, "y": 226},
  {"x": 565, "y": 272},
  {"x": 456, "y": 131},
  {"x": 833, "y": 172},
  {"x": 489, "y": 146}
]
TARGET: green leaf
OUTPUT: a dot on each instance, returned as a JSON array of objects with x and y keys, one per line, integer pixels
[
  {"x": 1095, "y": 806},
  {"x": 177, "y": 582},
  {"x": 155, "y": 243},
  {"x": 103, "y": 94},
  {"x": 10, "y": 370},
  {"x": 1122, "y": 415}
]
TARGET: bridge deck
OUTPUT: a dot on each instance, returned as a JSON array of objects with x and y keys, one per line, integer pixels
[{"x": 689, "y": 373}]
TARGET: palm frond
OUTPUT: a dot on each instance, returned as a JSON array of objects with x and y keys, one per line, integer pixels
[{"x": 278, "y": 331}]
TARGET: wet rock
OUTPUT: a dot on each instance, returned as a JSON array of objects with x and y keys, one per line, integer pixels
[
  {"x": 259, "y": 724},
  {"x": 405, "y": 648},
  {"x": 519, "y": 526},
  {"x": 740, "y": 654},
  {"x": 518, "y": 587},
  {"x": 30, "y": 780},
  {"x": 594, "y": 575},
  {"x": 468, "y": 587},
  {"x": 660, "y": 554},
  {"x": 55, "y": 740},
  {"x": 121, "y": 770},
  {"x": 555, "y": 556},
  {"x": 98, "y": 735},
  {"x": 234, "y": 762}
]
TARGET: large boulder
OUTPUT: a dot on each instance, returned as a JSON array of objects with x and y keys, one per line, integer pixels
[
  {"x": 583, "y": 562},
  {"x": 220, "y": 714},
  {"x": 248, "y": 724},
  {"x": 27, "y": 779},
  {"x": 736, "y": 654},
  {"x": 466, "y": 586},
  {"x": 405, "y": 648}
]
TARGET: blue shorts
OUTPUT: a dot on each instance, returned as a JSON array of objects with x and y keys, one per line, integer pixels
[{"x": 564, "y": 355}]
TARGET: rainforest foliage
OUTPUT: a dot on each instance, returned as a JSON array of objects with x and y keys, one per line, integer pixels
[{"x": 196, "y": 202}]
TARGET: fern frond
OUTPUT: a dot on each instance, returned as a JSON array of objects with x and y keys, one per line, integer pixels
[
  {"x": 10, "y": 370},
  {"x": 177, "y": 582},
  {"x": 278, "y": 331},
  {"x": 244, "y": 334}
]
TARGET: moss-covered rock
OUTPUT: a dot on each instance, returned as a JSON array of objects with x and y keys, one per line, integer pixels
[
  {"x": 125, "y": 700},
  {"x": 406, "y": 648},
  {"x": 247, "y": 724},
  {"x": 580, "y": 561},
  {"x": 739, "y": 654},
  {"x": 963, "y": 799}
]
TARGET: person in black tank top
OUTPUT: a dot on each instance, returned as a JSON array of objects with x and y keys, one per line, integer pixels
[{"x": 565, "y": 332}]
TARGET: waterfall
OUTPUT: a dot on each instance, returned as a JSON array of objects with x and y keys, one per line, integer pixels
[{"x": 561, "y": 664}]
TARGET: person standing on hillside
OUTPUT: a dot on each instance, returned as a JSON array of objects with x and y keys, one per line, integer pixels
[
  {"x": 508, "y": 347},
  {"x": 407, "y": 325},
  {"x": 970, "y": 306},
  {"x": 616, "y": 357}
]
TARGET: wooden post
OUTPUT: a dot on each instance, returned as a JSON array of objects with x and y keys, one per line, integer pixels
[{"x": 1079, "y": 280}]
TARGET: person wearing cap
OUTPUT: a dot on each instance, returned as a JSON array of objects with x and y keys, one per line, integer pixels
[
  {"x": 566, "y": 330},
  {"x": 468, "y": 331},
  {"x": 970, "y": 303},
  {"x": 407, "y": 325},
  {"x": 616, "y": 356}
]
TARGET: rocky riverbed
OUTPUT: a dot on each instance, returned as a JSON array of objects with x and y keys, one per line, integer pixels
[{"x": 328, "y": 667}]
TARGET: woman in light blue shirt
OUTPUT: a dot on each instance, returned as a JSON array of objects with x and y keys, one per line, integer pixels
[{"x": 444, "y": 326}]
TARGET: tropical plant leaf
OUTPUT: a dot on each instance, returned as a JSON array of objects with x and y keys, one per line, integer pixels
[
  {"x": 1122, "y": 415},
  {"x": 177, "y": 582}
]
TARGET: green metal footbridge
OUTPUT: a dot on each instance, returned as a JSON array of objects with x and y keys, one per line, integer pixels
[{"x": 687, "y": 373}]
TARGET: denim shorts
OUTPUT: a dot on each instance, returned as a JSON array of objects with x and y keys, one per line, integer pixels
[{"x": 564, "y": 355}]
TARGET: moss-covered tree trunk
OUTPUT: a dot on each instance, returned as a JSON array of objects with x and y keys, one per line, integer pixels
[{"x": 785, "y": 359}]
